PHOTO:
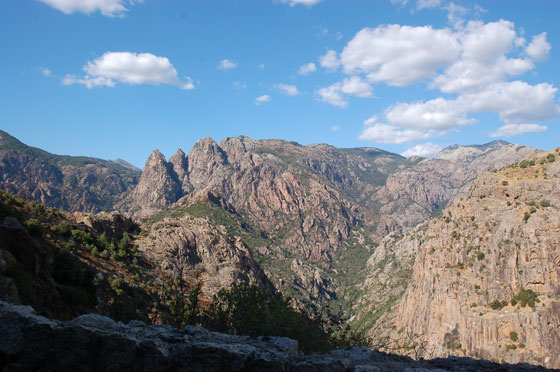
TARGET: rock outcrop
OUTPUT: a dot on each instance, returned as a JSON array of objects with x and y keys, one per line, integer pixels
[
  {"x": 193, "y": 249},
  {"x": 486, "y": 275},
  {"x": 92, "y": 342}
]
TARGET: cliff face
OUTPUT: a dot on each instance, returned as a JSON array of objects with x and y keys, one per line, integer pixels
[
  {"x": 486, "y": 274},
  {"x": 66, "y": 182}
]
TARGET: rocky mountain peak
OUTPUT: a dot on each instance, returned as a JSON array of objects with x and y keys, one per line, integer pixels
[
  {"x": 205, "y": 157},
  {"x": 180, "y": 167},
  {"x": 159, "y": 185},
  {"x": 155, "y": 157}
]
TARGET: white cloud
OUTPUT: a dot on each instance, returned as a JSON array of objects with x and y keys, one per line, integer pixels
[
  {"x": 109, "y": 8},
  {"x": 510, "y": 130},
  {"x": 426, "y": 150},
  {"x": 356, "y": 87},
  {"x": 240, "y": 85},
  {"x": 399, "y": 55},
  {"x": 516, "y": 101},
  {"x": 437, "y": 114},
  {"x": 330, "y": 60},
  {"x": 262, "y": 99},
  {"x": 539, "y": 48},
  {"x": 226, "y": 64},
  {"x": 46, "y": 72},
  {"x": 302, "y": 2},
  {"x": 335, "y": 128},
  {"x": 307, "y": 68},
  {"x": 333, "y": 95},
  {"x": 390, "y": 134},
  {"x": 261, "y": 66},
  {"x": 455, "y": 14},
  {"x": 287, "y": 89},
  {"x": 421, "y": 4},
  {"x": 129, "y": 68}
]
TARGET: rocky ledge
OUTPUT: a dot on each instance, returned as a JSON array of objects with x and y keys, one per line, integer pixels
[{"x": 30, "y": 342}]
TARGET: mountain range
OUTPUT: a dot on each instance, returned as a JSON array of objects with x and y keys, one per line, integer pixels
[{"x": 434, "y": 251}]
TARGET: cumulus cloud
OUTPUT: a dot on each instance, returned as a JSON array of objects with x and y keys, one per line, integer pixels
[
  {"x": 287, "y": 89},
  {"x": 475, "y": 62},
  {"x": 330, "y": 60},
  {"x": 335, "y": 128},
  {"x": 302, "y": 2},
  {"x": 510, "y": 130},
  {"x": 354, "y": 86},
  {"x": 129, "y": 68},
  {"x": 437, "y": 114},
  {"x": 307, "y": 68},
  {"x": 110, "y": 8},
  {"x": 240, "y": 85},
  {"x": 539, "y": 48},
  {"x": 226, "y": 64},
  {"x": 516, "y": 101},
  {"x": 333, "y": 95},
  {"x": 390, "y": 134},
  {"x": 426, "y": 150},
  {"x": 262, "y": 99},
  {"x": 399, "y": 55}
]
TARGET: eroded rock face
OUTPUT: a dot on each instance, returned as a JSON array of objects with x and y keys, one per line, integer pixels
[
  {"x": 499, "y": 240},
  {"x": 159, "y": 186},
  {"x": 194, "y": 249},
  {"x": 92, "y": 342},
  {"x": 111, "y": 223}
]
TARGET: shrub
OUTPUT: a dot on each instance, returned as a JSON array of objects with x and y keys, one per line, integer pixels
[
  {"x": 34, "y": 227},
  {"x": 505, "y": 183},
  {"x": 497, "y": 304},
  {"x": 551, "y": 158},
  {"x": 62, "y": 229},
  {"x": 524, "y": 164},
  {"x": 545, "y": 203},
  {"x": 526, "y": 297},
  {"x": 480, "y": 256},
  {"x": 513, "y": 335}
]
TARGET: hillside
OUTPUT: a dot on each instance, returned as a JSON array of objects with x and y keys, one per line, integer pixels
[
  {"x": 72, "y": 183},
  {"x": 482, "y": 279}
]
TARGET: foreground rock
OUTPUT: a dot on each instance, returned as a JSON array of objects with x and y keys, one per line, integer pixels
[{"x": 95, "y": 343}]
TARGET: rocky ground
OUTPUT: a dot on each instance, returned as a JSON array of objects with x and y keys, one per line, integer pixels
[{"x": 92, "y": 342}]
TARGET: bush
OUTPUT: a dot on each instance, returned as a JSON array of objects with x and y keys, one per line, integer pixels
[
  {"x": 480, "y": 256},
  {"x": 526, "y": 297},
  {"x": 62, "y": 229},
  {"x": 513, "y": 335},
  {"x": 34, "y": 227},
  {"x": 505, "y": 183},
  {"x": 551, "y": 158},
  {"x": 545, "y": 203},
  {"x": 497, "y": 304}
]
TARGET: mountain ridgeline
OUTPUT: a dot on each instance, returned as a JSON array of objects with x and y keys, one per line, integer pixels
[{"x": 344, "y": 231}]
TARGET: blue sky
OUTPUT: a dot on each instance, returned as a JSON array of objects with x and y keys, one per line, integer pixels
[{"x": 118, "y": 78}]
